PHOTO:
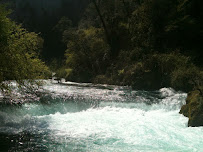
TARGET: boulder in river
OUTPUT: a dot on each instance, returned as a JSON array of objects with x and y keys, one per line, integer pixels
[{"x": 194, "y": 108}]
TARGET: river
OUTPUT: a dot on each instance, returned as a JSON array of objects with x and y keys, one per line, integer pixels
[{"x": 74, "y": 117}]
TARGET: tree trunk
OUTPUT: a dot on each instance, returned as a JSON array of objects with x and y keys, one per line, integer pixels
[{"x": 102, "y": 20}]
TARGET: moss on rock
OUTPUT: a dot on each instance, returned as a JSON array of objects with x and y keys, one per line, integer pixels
[{"x": 194, "y": 108}]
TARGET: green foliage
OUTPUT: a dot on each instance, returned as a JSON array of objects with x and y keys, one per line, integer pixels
[
  {"x": 170, "y": 68},
  {"x": 103, "y": 79},
  {"x": 87, "y": 53},
  {"x": 141, "y": 26},
  {"x": 19, "y": 50},
  {"x": 157, "y": 71},
  {"x": 63, "y": 24},
  {"x": 64, "y": 73},
  {"x": 148, "y": 44},
  {"x": 188, "y": 77},
  {"x": 167, "y": 62}
]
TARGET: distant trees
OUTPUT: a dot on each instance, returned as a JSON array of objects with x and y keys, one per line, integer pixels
[
  {"x": 114, "y": 16},
  {"x": 19, "y": 50},
  {"x": 147, "y": 44},
  {"x": 87, "y": 53}
]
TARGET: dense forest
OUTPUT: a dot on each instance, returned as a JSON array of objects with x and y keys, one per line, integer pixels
[{"x": 146, "y": 44}]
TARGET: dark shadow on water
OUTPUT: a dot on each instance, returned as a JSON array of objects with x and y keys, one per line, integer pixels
[{"x": 22, "y": 142}]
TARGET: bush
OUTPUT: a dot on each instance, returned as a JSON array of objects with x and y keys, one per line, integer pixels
[
  {"x": 64, "y": 73},
  {"x": 187, "y": 78},
  {"x": 160, "y": 70},
  {"x": 19, "y": 53},
  {"x": 103, "y": 79},
  {"x": 87, "y": 54}
]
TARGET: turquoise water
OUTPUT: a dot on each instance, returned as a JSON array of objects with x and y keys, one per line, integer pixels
[{"x": 99, "y": 118}]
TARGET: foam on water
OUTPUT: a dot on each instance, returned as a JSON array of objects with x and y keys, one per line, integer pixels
[
  {"x": 95, "y": 118},
  {"x": 130, "y": 129}
]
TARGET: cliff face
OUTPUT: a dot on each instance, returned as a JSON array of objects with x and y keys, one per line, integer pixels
[{"x": 194, "y": 109}]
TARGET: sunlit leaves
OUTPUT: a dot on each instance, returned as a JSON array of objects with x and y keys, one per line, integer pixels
[{"x": 19, "y": 51}]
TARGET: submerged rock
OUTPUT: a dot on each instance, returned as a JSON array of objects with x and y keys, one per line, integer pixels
[{"x": 194, "y": 108}]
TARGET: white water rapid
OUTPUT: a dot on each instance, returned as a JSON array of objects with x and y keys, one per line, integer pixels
[{"x": 99, "y": 118}]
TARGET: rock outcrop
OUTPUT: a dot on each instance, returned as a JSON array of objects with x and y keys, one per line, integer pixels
[{"x": 194, "y": 108}]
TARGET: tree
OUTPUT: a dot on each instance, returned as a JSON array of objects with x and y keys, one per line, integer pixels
[
  {"x": 87, "y": 53},
  {"x": 19, "y": 50},
  {"x": 114, "y": 20}
]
